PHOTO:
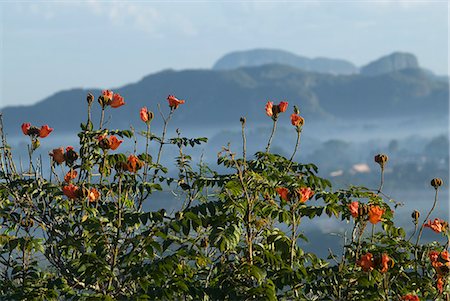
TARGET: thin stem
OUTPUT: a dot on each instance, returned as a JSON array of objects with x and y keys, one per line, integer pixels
[
  {"x": 147, "y": 138},
  {"x": 249, "y": 229},
  {"x": 373, "y": 231},
  {"x": 415, "y": 230},
  {"x": 244, "y": 142},
  {"x": 30, "y": 157},
  {"x": 89, "y": 113},
  {"x": 161, "y": 143},
  {"x": 381, "y": 180},
  {"x": 293, "y": 238},
  {"x": 102, "y": 118},
  {"x": 119, "y": 225},
  {"x": 426, "y": 218},
  {"x": 299, "y": 131},
  {"x": 274, "y": 127}
]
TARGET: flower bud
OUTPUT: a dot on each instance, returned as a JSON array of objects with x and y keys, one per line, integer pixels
[
  {"x": 296, "y": 110},
  {"x": 381, "y": 159},
  {"x": 90, "y": 98},
  {"x": 103, "y": 101},
  {"x": 34, "y": 131},
  {"x": 243, "y": 120},
  {"x": 436, "y": 183},
  {"x": 415, "y": 216},
  {"x": 70, "y": 156},
  {"x": 104, "y": 143},
  {"x": 35, "y": 144},
  {"x": 275, "y": 111}
]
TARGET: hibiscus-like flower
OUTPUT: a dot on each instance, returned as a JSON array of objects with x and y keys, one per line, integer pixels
[
  {"x": 354, "y": 208},
  {"x": 174, "y": 102},
  {"x": 385, "y": 262},
  {"x": 93, "y": 195},
  {"x": 410, "y": 297},
  {"x": 71, "y": 191},
  {"x": 438, "y": 225},
  {"x": 305, "y": 194},
  {"x": 273, "y": 110},
  {"x": 366, "y": 262},
  {"x": 297, "y": 120},
  {"x": 107, "y": 94},
  {"x": 146, "y": 115},
  {"x": 71, "y": 155},
  {"x": 34, "y": 132},
  {"x": 440, "y": 284},
  {"x": 70, "y": 176},
  {"x": 114, "y": 142},
  {"x": 25, "y": 128},
  {"x": 283, "y": 192},
  {"x": 269, "y": 108},
  {"x": 434, "y": 256},
  {"x": 117, "y": 101},
  {"x": 111, "y": 142},
  {"x": 283, "y": 106},
  {"x": 58, "y": 155},
  {"x": 45, "y": 131},
  {"x": 134, "y": 164},
  {"x": 375, "y": 213}
]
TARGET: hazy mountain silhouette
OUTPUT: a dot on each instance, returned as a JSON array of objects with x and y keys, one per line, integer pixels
[
  {"x": 390, "y": 63},
  {"x": 259, "y": 57},
  {"x": 220, "y": 97}
]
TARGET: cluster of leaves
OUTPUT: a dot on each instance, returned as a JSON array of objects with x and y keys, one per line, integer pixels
[{"x": 234, "y": 236}]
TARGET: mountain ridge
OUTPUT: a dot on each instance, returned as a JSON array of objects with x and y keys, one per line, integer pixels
[{"x": 220, "y": 97}]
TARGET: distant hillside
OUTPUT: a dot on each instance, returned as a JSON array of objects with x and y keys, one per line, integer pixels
[
  {"x": 390, "y": 63},
  {"x": 220, "y": 97},
  {"x": 258, "y": 57}
]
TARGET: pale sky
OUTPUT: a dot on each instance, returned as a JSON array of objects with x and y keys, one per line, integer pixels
[{"x": 49, "y": 46}]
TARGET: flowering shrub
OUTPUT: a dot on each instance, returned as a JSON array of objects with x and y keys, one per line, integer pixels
[{"x": 83, "y": 232}]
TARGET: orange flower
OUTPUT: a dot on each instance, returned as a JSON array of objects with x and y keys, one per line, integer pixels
[
  {"x": 273, "y": 110},
  {"x": 305, "y": 194},
  {"x": 366, "y": 262},
  {"x": 114, "y": 142},
  {"x": 445, "y": 256},
  {"x": 93, "y": 195},
  {"x": 117, "y": 101},
  {"x": 433, "y": 255},
  {"x": 134, "y": 164},
  {"x": 384, "y": 263},
  {"x": 440, "y": 284},
  {"x": 438, "y": 225},
  {"x": 269, "y": 107},
  {"x": 283, "y": 192},
  {"x": 45, "y": 131},
  {"x": 71, "y": 191},
  {"x": 410, "y": 297},
  {"x": 25, "y": 128},
  {"x": 70, "y": 176},
  {"x": 174, "y": 102},
  {"x": 283, "y": 106},
  {"x": 58, "y": 155},
  {"x": 354, "y": 207},
  {"x": 144, "y": 114},
  {"x": 297, "y": 120},
  {"x": 107, "y": 94},
  {"x": 375, "y": 213}
]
